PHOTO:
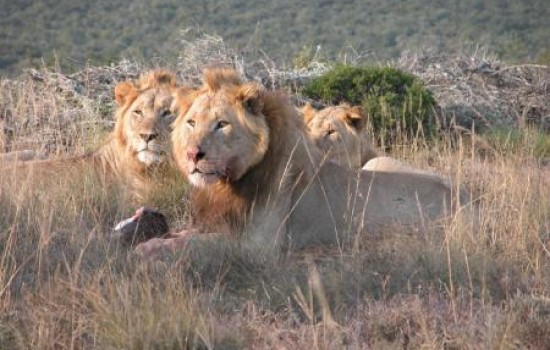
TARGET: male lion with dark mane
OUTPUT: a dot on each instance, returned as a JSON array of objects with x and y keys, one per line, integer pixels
[
  {"x": 256, "y": 174},
  {"x": 137, "y": 153},
  {"x": 340, "y": 133}
]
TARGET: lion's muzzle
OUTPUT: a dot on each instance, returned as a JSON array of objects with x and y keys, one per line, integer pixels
[
  {"x": 194, "y": 154},
  {"x": 148, "y": 137}
]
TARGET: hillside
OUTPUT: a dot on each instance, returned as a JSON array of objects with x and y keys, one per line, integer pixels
[{"x": 73, "y": 33}]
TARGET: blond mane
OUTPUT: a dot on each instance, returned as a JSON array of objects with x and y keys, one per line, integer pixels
[{"x": 226, "y": 204}]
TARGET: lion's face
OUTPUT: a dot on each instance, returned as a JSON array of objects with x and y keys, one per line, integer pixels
[
  {"x": 337, "y": 132},
  {"x": 147, "y": 125},
  {"x": 144, "y": 121},
  {"x": 220, "y": 133}
]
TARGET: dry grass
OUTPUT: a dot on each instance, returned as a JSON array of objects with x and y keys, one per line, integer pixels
[
  {"x": 64, "y": 284},
  {"x": 54, "y": 113}
]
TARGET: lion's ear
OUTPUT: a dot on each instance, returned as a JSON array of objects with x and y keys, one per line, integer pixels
[
  {"x": 123, "y": 91},
  {"x": 251, "y": 96},
  {"x": 356, "y": 118},
  {"x": 308, "y": 112}
]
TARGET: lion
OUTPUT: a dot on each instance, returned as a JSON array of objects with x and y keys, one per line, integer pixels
[
  {"x": 256, "y": 174},
  {"x": 340, "y": 132},
  {"x": 137, "y": 152}
]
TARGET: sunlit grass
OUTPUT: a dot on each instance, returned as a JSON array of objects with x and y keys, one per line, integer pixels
[{"x": 482, "y": 283}]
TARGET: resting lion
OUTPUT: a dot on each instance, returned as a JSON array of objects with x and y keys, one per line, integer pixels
[
  {"x": 256, "y": 174},
  {"x": 137, "y": 152},
  {"x": 340, "y": 133}
]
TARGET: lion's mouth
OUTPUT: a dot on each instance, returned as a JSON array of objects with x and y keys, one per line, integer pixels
[
  {"x": 197, "y": 171},
  {"x": 149, "y": 157},
  {"x": 205, "y": 174},
  {"x": 201, "y": 179}
]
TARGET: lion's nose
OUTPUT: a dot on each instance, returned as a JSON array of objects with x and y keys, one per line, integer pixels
[
  {"x": 195, "y": 154},
  {"x": 148, "y": 137}
]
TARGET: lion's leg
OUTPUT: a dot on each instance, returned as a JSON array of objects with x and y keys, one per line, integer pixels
[
  {"x": 198, "y": 246},
  {"x": 182, "y": 233},
  {"x": 266, "y": 235},
  {"x": 147, "y": 231},
  {"x": 157, "y": 247}
]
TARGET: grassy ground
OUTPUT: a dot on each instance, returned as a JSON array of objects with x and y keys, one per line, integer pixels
[{"x": 65, "y": 284}]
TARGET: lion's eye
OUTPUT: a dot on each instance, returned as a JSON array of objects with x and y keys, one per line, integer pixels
[
  {"x": 330, "y": 132},
  {"x": 191, "y": 122},
  {"x": 165, "y": 114},
  {"x": 138, "y": 113},
  {"x": 222, "y": 124}
]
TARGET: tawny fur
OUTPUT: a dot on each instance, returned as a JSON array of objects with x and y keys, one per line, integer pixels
[
  {"x": 116, "y": 155},
  {"x": 224, "y": 206},
  {"x": 340, "y": 133}
]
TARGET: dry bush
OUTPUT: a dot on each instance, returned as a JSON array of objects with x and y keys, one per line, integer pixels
[
  {"x": 55, "y": 113},
  {"x": 200, "y": 50},
  {"x": 477, "y": 88}
]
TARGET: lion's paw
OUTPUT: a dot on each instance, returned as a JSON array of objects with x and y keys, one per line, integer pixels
[{"x": 156, "y": 248}]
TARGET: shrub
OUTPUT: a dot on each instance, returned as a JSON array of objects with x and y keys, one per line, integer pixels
[{"x": 395, "y": 101}]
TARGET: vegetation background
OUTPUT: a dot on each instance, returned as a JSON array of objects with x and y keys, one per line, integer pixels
[
  {"x": 66, "y": 284},
  {"x": 75, "y": 33}
]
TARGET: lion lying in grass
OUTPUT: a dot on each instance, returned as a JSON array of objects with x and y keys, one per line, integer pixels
[
  {"x": 256, "y": 174},
  {"x": 137, "y": 152},
  {"x": 340, "y": 133}
]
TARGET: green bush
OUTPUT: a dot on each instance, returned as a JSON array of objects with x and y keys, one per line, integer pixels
[{"x": 396, "y": 102}]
